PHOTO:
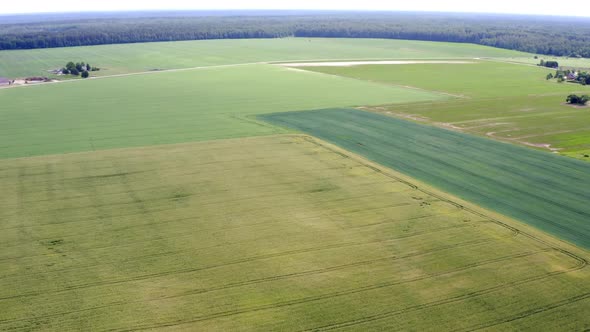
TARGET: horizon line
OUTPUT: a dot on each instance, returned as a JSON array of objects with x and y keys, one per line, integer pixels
[{"x": 288, "y": 10}]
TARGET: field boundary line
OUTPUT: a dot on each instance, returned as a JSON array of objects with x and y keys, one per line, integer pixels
[
  {"x": 391, "y": 173},
  {"x": 152, "y": 146}
]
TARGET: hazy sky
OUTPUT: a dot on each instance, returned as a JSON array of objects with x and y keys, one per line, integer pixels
[{"x": 567, "y": 7}]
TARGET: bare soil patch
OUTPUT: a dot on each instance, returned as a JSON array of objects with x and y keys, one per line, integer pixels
[{"x": 575, "y": 105}]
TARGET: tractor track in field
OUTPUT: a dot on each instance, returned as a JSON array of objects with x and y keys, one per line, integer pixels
[
  {"x": 305, "y": 300},
  {"x": 93, "y": 218},
  {"x": 254, "y": 210},
  {"x": 454, "y": 299},
  {"x": 171, "y": 253},
  {"x": 176, "y": 252},
  {"x": 273, "y": 278},
  {"x": 528, "y": 313},
  {"x": 114, "y": 175},
  {"x": 152, "y": 240},
  {"x": 234, "y": 262},
  {"x": 390, "y": 221},
  {"x": 230, "y": 313},
  {"x": 153, "y": 222},
  {"x": 135, "y": 201},
  {"x": 219, "y": 170}
]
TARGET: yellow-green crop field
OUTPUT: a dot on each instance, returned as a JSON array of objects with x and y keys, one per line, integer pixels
[{"x": 273, "y": 233}]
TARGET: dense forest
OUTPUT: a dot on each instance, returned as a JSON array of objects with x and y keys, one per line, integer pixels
[{"x": 562, "y": 36}]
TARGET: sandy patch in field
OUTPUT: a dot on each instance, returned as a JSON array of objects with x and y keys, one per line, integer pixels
[
  {"x": 449, "y": 125},
  {"x": 410, "y": 116},
  {"x": 544, "y": 146},
  {"x": 519, "y": 140},
  {"x": 360, "y": 63}
]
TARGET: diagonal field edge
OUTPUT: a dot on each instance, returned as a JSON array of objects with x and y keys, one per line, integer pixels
[{"x": 544, "y": 190}]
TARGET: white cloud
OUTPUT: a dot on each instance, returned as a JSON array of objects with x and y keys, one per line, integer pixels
[{"x": 569, "y": 7}]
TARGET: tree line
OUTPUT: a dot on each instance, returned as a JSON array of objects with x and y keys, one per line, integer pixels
[{"x": 542, "y": 35}]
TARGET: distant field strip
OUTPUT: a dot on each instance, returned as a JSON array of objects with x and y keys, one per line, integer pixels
[
  {"x": 141, "y": 57},
  {"x": 541, "y": 189},
  {"x": 172, "y": 107},
  {"x": 271, "y": 233},
  {"x": 501, "y": 101},
  {"x": 480, "y": 79}
]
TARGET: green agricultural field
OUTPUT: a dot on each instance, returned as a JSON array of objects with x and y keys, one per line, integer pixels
[
  {"x": 547, "y": 191},
  {"x": 279, "y": 233},
  {"x": 509, "y": 102},
  {"x": 172, "y": 107},
  {"x": 121, "y": 59},
  {"x": 480, "y": 79}
]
